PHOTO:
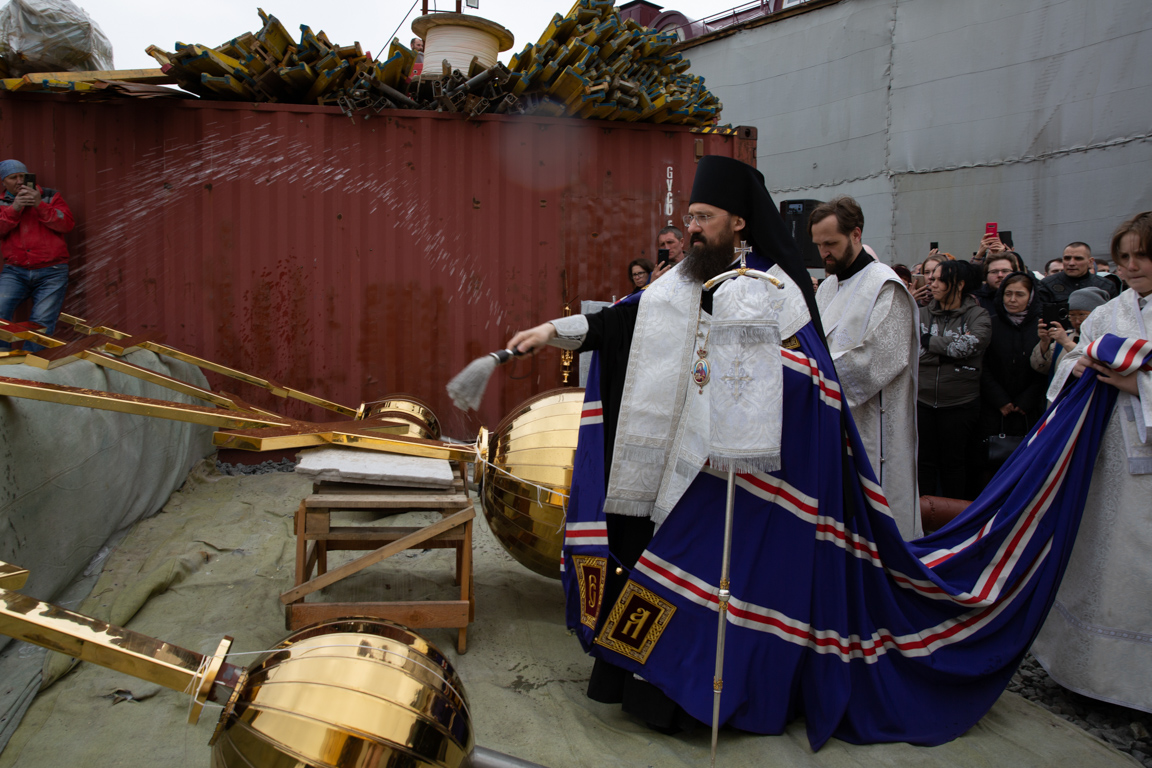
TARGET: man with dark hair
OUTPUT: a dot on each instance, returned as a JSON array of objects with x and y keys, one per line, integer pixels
[
  {"x": 1052, "y": 266},
  {"x": 870, "y": 319},
  {"x": 995, "y": 269},
  {"x": 672, "y": 239},
  {"x": 417, "y": 46},
  {"x": 1078, "y": 273},
  {"x": 33, "y": 222}
]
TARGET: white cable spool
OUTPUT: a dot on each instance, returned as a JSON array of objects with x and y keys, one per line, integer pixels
[{"x": 458, "y": 38}]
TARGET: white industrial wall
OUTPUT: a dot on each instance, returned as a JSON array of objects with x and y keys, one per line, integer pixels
[{"x": 941, "y": 115}]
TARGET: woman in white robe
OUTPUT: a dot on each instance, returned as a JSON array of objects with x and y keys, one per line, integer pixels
[{"x": 1098, "y": 637}]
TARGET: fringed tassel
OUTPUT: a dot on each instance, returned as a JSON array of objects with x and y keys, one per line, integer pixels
[
  {"x": 729, "y": 333},
  {"x": 744, "y": 464},
  {"x": 628, "y": 508},
  {"x": 641, "y": 454}
]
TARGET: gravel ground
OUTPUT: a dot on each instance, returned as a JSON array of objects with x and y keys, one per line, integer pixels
[
  {"x": 1128, "y": 730},
  {"x": 284, "y": 465}
]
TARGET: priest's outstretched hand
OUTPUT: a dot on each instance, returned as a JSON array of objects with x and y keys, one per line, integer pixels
[{"x": 532, "y": 339}]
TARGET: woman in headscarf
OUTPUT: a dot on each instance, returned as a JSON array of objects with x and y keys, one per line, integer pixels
[
  {"x": 954, "y": 332},
  {"x": 1011, "y": 392}
]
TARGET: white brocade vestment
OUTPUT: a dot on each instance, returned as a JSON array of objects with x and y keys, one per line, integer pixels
[
  {"x": 870, "y": 323},
  {"x": 1097, "y": 639},
  {"x": 663, "y": 435}
]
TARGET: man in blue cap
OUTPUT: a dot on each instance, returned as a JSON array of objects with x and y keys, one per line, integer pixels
[{"x": 33, "y": 222}]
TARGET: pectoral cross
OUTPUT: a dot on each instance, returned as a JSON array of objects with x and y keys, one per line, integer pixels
[{"x": 743, "y": 252}]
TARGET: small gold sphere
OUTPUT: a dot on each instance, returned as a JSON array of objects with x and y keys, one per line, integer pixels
[{"x": 619, "y": 571}]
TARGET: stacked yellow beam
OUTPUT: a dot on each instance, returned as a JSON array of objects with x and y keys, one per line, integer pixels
[
  {"x": 588, "y": 63},
  {"x": 591, "y": 63},
  {"x": 267, "y": 66}
]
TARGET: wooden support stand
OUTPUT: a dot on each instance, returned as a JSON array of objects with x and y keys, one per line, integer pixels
[{"x": 316, "y": 537}]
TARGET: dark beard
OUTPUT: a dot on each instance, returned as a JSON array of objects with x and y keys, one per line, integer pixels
[{"x": 705, "y": 261}]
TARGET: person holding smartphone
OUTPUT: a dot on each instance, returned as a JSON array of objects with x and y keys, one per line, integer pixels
[
  {"x": 670, "y": 245},
  {"x": 1063, "y": 328},
  {"x": 33, "y": 222}
]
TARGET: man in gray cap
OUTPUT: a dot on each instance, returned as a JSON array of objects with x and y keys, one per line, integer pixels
[
  {"x": 33, "y": 222},
  {"x": 1080, "y": 304}
]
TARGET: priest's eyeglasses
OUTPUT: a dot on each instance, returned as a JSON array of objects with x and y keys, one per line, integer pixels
[{"x": 700, "y": 218}]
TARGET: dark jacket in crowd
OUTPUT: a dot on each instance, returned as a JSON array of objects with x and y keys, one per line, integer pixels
[
  {"x": 1055, "y": 289},
  {"x": 986, "y": 297},
  {"x": 1008, "y": 376},
  {"x": 953, "y": 353}
]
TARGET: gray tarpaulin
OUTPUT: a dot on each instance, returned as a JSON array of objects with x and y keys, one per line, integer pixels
[
  {"x": 941, "y": 116},
  {"x": 71, "y": 478},
  {"x": 230, "y": 541}
]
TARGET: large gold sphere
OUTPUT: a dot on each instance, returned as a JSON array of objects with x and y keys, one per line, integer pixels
[
  {"x": 535, "y": 443},
  {"x": 350, "y": 693}
]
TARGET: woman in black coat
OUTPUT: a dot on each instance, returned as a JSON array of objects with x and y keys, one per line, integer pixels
[{"x": 1012, "y": 393}]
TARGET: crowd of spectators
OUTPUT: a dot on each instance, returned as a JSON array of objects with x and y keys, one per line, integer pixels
[{"x": 992, "y": 334}]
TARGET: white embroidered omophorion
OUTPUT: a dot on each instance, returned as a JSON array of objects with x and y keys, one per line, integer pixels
[
  {"x": 746, "y": 392},
  {"x": 655, "y": 387},
  {"x": 663, "y": 436}
]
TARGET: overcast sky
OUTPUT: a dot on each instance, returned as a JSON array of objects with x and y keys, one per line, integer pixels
[{"x": 133, "y": 25}]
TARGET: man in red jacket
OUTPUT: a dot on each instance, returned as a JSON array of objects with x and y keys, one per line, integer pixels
[{"x": 33, "y": 222}]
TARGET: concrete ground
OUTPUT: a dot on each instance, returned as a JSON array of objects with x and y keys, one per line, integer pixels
[{"x": 216, "y": 559}]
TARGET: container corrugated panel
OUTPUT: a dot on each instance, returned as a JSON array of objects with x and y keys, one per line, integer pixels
[{"x": 351, "y": 257}]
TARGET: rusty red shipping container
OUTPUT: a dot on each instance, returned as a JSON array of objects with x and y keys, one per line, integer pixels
[{"x": 351, "y": 257}]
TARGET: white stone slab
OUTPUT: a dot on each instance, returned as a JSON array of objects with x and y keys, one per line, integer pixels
[{"x": 352, "y": 465}]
